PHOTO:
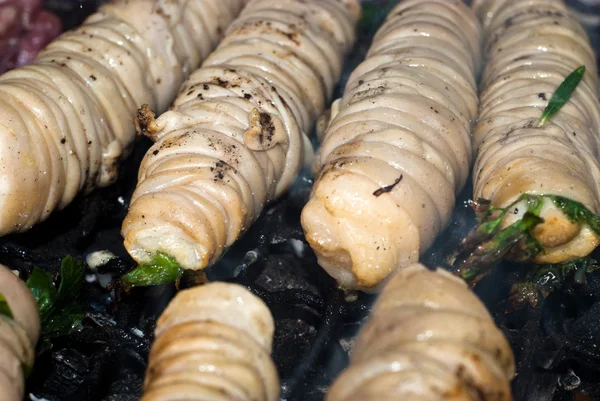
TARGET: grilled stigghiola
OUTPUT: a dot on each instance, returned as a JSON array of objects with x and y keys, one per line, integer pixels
[
  {"x": 235, "y": 137},
  {"x": 428, "y": 338},
  {"x": 213, "y": 342},
  {"x": 398, "y": 147},
  {"x": 67, "y": 119},
  {"x": 527, "y": 158}
]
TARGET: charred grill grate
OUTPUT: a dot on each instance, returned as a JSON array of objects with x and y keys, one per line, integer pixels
[{"x": 557, "y": 345}]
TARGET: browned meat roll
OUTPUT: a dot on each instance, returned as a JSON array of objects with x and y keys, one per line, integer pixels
[
  {"x": 235, "y": 138},
  {"x": 398, "y": 146},
  {"x": 19, "y": 334},
  {"x": 67, "y": 119},
  {"x": 213, "y": 342},
  {"x": 531, "y": 47},
  {"x": 428, "y": 338}
]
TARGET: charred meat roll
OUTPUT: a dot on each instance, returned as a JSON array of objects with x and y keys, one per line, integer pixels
[
  {"x": 428, "y": 338},
  {"x": 398, "y": 146},
  {"x": 19, "y": 333},
  {"x": 213, "y": 342},
  {"x": 67, "y": 119},
  {"x": 521, "y": 165},
  {"x": 235, "y": 137}
]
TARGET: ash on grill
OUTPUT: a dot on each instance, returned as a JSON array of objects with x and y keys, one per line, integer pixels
[{"x": 556, "y": 345}]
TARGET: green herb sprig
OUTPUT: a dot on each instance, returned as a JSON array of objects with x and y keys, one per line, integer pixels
[
  {"x": 486, "y": 244},
  {"x": 61, "y": 311},
  {"x": 545, "y": 279},
  {"x": 562, "y": 94},
  {"x": 161, "y": 269}
]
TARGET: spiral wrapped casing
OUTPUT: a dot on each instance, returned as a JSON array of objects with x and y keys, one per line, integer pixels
[
  {"x": 236, "y": 136},
  {"x": 67, "y": 119},
  {"x": 398, "y": 147},
  {"x": 213, "y": 342},
  {"x": 428, "y": 338}
]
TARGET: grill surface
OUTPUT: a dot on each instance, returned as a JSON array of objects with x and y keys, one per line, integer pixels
[{"x": 557, "y": 345}]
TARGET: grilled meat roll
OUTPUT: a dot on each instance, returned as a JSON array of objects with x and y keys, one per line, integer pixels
[
  {"x": 428, "y": 338},
  {"x": 531, "y": 47},
  {"x": 213, "y": 342},
  {"x": 235, "y": 138},
  {"x": 398, "y": 146},
  {"x": 66, "y": 119},
  {"x": 19, "y": 334}
]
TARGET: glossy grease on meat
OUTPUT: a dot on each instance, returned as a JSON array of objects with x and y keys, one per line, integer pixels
[
  {"x": 428, "y": 338},
  {"x": 213, "y": 342},
  {"x": 67, "y": 119},
  {"x": 531, "y": 47},
  {"x": 18, "y": 335},
  {"x": 398, "y": 146},
  {"x": 235, "y": 137}
]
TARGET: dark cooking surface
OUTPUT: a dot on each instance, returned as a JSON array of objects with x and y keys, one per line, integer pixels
[{"x": 557, "y": 345}]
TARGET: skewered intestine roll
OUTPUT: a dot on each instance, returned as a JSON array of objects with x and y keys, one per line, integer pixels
[
  {"x": 531, "y": 47},
  {"x": 67, "y": 119},
  {"x": 235, "y": 138},
  {"x": 213, "y": 343},
  {"x": 18, "y": 335},
  {"x": 398, "y": 147},
  {"x": 428, "y": 338}
]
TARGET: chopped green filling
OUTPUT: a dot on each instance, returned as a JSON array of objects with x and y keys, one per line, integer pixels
[
  {"x": 486, "y": 244},
  {"x": 161, "y": 269}
]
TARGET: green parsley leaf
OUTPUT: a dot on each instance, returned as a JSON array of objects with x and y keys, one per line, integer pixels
[
  {"x": 43, "y": 290},
  {"x": 60, "y": 309}
]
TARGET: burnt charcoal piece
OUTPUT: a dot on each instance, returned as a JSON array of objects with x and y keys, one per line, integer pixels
[
  {"x": 557, "y": 345},
  {"x": 574, "y": 340}
]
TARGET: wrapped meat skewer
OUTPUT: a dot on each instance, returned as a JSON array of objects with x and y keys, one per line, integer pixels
[
  {"x": 213, "y": 342},
  {"x": 19, "y": 333},
  {"x": 398, "y": 146},
  {"x": 67, "y": 119},
  {"x": 530, "y": 167},
  {"x": 235, "y": 137},
  {"x": 429, "y": 337}
]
